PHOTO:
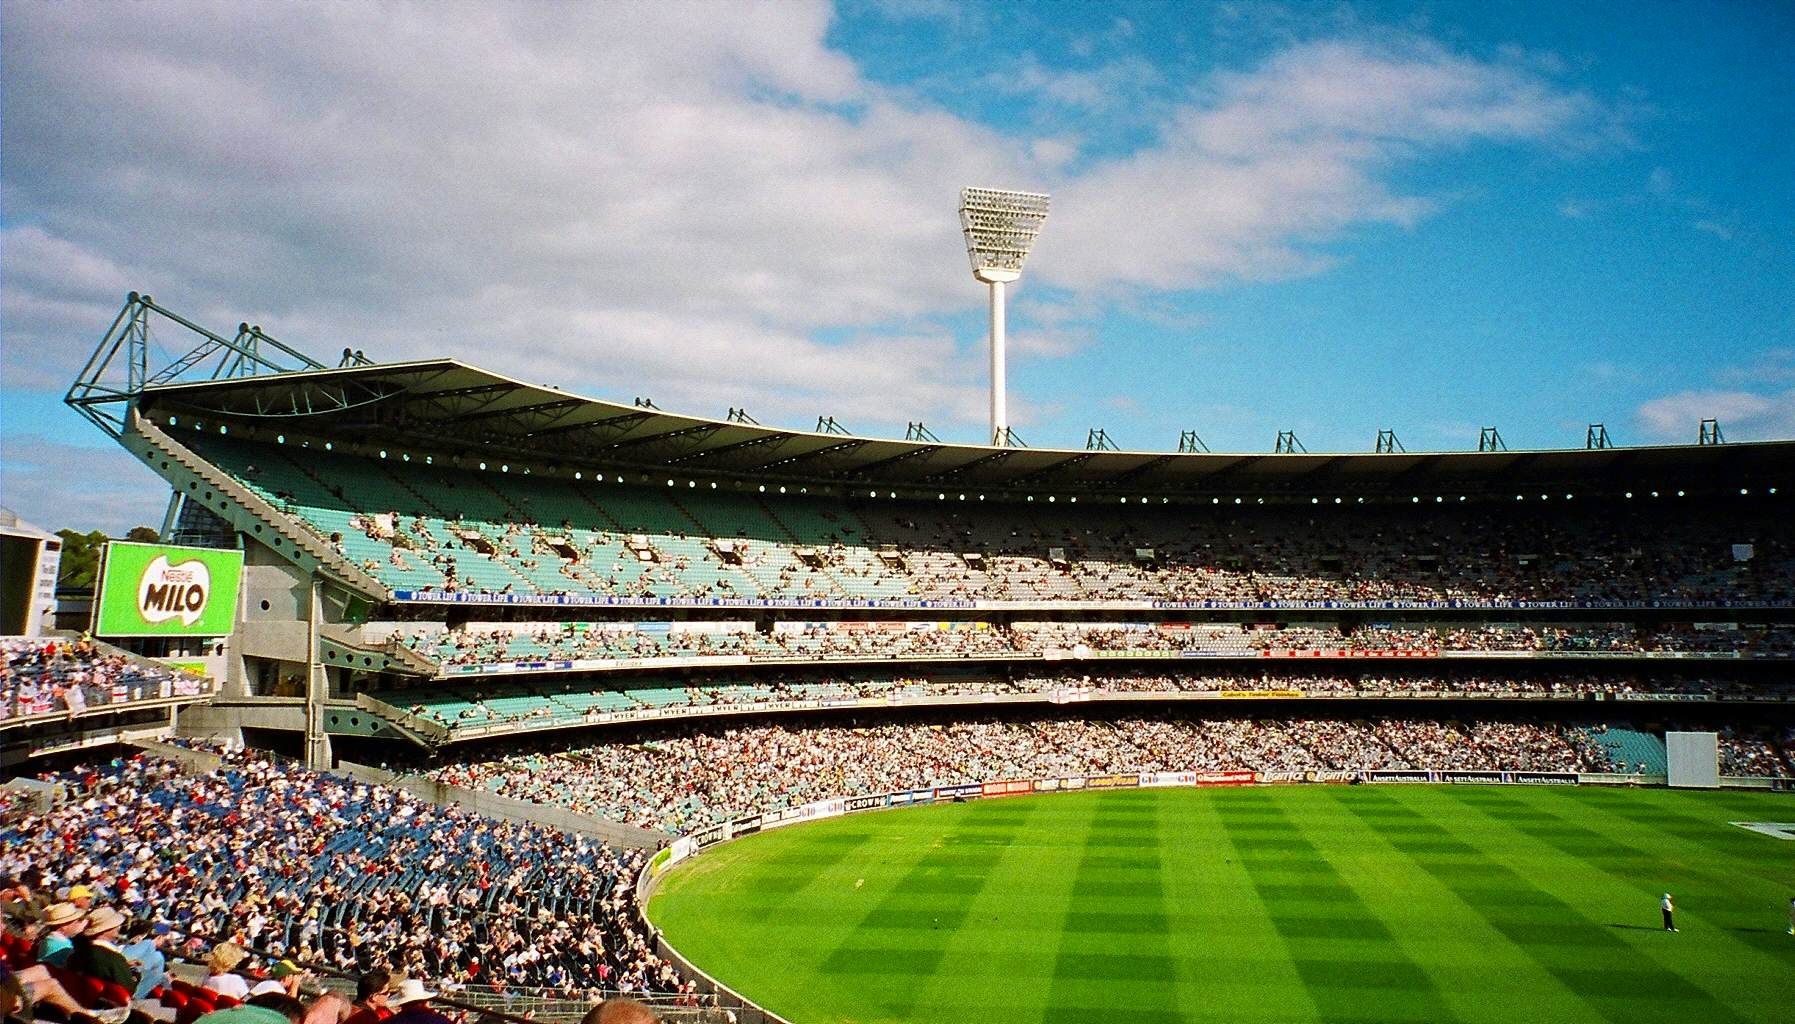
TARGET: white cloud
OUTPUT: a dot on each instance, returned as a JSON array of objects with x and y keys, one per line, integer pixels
[
  {"x": 1774, "y": 366},
  {"x": 1112, "y": 85},
  {"x": 677, "y": 200},
  {"x": 55, "y": 485},
  {"x": 1743, "y": 415},
  {"x": 1715, "y": 228},
  {"x": 1294, "y": 152}
]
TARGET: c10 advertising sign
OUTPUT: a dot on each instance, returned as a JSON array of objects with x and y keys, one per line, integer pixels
[{"x": 159, "y": 590}]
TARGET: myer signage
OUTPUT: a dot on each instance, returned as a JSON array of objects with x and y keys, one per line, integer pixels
[{"x": 158, "y": 590}]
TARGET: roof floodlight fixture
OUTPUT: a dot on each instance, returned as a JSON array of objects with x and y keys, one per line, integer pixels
[
  {"x": 1189, "y": 442},
  {"x": 1000, "y": 227},
  {"x": 1288, "y": 444}
]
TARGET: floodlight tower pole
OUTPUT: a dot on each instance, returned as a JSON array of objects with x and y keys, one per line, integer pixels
[
  {"x": 1000, "y": 226},
  {"x": 1000, "y": 419}
]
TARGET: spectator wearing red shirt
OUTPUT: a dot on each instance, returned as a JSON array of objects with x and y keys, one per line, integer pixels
[{"x": 372, "y": 992}]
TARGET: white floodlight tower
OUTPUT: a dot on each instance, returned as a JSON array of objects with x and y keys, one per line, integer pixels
[{"x": 1000, "y": 227}]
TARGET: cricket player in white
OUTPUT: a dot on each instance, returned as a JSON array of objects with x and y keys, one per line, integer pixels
[{"x": 1669, "y": 910}]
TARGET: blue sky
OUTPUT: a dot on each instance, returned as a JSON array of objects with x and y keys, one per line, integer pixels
[{"x": 1326, "y": 218}]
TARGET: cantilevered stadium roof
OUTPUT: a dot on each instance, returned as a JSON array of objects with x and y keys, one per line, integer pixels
[{"x": 462, "y": 412}]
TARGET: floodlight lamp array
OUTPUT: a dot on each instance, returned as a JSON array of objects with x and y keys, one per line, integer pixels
[{"x": 1000, "y": 226}]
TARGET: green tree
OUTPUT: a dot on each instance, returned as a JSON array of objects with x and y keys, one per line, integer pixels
[{"x": 80, "y": 565}]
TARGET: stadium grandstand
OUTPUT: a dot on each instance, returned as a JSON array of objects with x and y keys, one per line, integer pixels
[
  {"x": 436, "y": 554},
  {"x": 511, "y": 641}
]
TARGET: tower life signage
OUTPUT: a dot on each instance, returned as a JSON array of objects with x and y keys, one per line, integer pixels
[{"x": 159, "y": 590}]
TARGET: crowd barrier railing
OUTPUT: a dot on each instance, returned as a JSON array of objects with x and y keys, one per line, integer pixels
[
  {"x": 463, "y": 597},
  {"x": 78, "y": 700},
  {"x": 569, "y": 719}
]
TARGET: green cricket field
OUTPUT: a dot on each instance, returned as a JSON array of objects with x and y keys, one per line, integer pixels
[{"x": 1400, "y": 904}]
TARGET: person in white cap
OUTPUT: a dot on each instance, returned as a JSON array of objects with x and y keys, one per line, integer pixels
[
  {"x": 62, "y": 922},
  {"x": 1669, "y": 909},
  {"x": 411, "y": 1005}
]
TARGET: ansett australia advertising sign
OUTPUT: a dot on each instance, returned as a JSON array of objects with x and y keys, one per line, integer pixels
[{"x": 158, "y": 590}]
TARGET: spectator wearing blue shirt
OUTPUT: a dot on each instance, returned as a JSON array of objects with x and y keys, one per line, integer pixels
[
  {"x": 62, "y": 922},
  {"x": 143, "y": 951}
]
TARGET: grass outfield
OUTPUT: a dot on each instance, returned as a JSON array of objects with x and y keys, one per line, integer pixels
[{"x": 1302, "y": 903}]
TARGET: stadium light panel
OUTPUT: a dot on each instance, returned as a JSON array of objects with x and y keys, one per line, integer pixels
[{"x": 1000, "y": 228}]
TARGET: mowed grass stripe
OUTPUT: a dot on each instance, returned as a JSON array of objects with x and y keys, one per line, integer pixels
[
  {"x": 1512, "y": 935},
  {"x": 1622, "y": 867},
  {"x": 736, "y": 922},
  {"x": 1345, "y": 954},
  {"x": 999, "y": 959},
  {"x": 1112, "y": 956},
  {"x": 1748, "y": 879},
  {"x": 1232, "y": 965},
  {"x": 894, "y": 963},
  {"x": 1707, "y": 832}
]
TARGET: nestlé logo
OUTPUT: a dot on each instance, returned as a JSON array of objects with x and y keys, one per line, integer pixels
[{"x": 169, "y": 591}]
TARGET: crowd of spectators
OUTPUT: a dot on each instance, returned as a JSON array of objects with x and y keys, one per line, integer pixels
[
  {"x": 686, "y": 778},
  {"x": 502, "y": 644},
  {"x": 1360, "y": 554},
  {"x": 521, "y": 701},
  {"x": 1757, "y": 752},
  {"x": 594, "y": 641},
  {"x": 439, "y": 527},
  {"x": 56, "y": 676},
  {"x": 302, "y": 866}
]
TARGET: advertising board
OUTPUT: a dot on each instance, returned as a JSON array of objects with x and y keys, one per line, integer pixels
[{"x": 162, "y": 590}]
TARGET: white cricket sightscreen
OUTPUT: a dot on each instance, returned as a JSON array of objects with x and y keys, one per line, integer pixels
[{"x": 1694, "y": 759}]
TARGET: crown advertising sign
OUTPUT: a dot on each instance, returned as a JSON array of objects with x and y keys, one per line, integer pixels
[{"x": 158, "y": 590}]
